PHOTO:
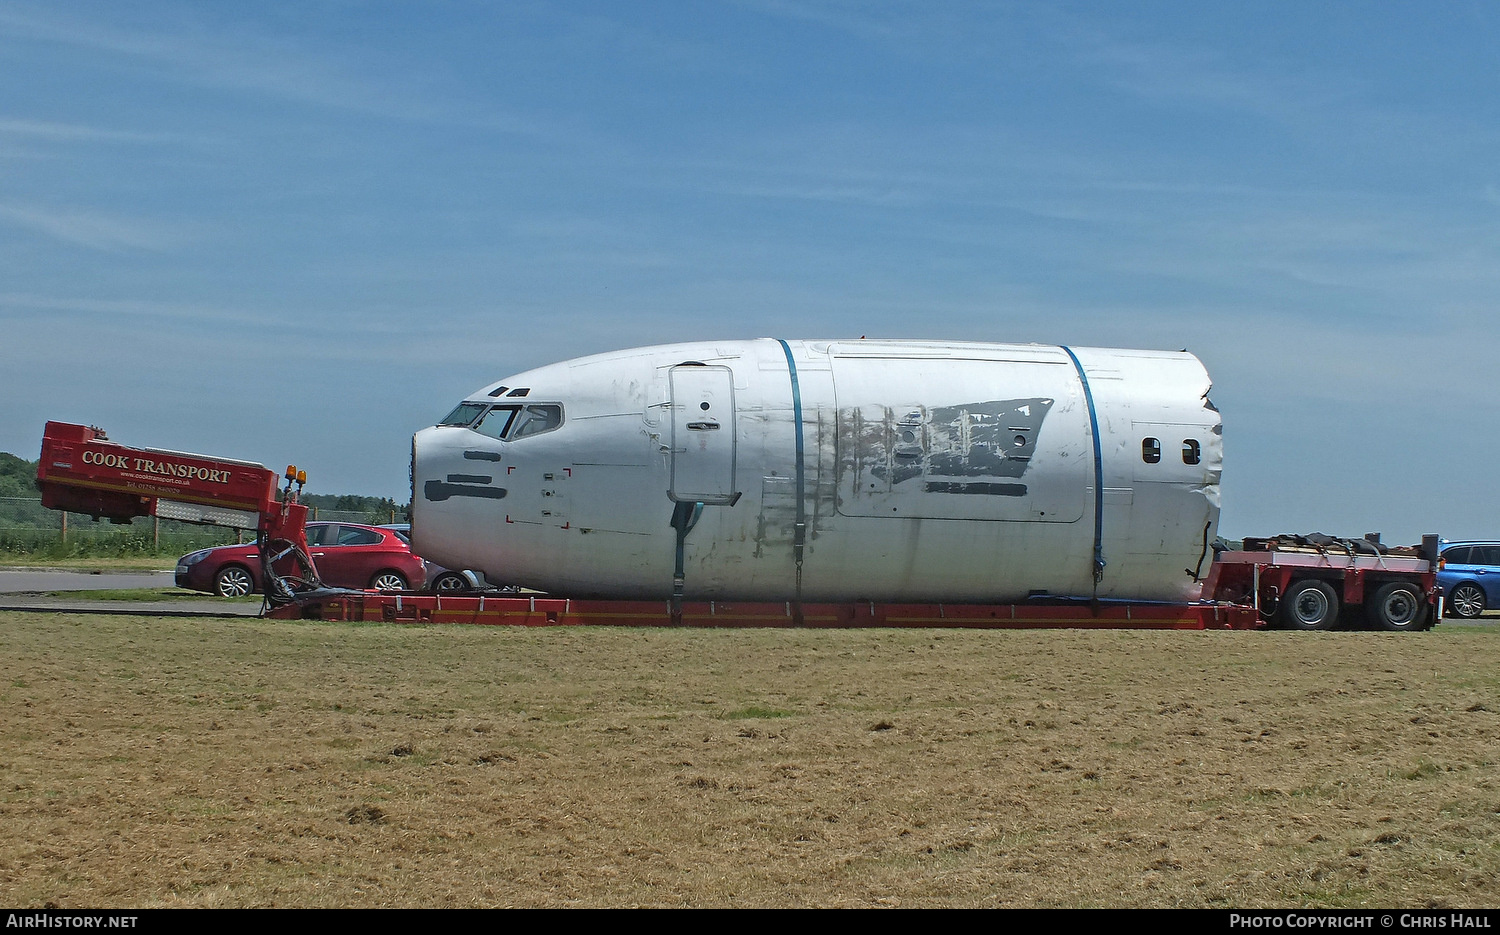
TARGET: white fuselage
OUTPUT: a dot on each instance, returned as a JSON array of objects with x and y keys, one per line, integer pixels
[{"x": 895, "y": 470}]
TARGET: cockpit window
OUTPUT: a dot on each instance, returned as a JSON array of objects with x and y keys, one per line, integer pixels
[
  {"x": 464, "y": 414},
  {"x": 497, "y": 421},
  {"x": 513, "y": 422},
  {"x": 534, "y": 420}
]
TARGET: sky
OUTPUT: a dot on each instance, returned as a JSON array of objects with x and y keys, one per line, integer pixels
[{"x": 296, "y": 232}]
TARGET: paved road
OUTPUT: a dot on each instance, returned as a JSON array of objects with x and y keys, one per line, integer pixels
[
  {"x": 27, "y": 589},
  {"x": 13, "y": 581},
  {"x": 208, "y": 607}
]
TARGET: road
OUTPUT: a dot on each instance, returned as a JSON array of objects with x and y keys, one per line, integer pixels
[
  {"x": 16, "y": 580},
  {"x": 28, "y": 589}
]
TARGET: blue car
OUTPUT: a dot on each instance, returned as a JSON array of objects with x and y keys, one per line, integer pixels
[{"x": 1469, "y": 574}]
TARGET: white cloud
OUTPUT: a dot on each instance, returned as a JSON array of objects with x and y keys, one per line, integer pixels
[
  {"x": 77, "y": 133},
  {"x": 258, "y": 63},
  {"x": 95, "y": 231},
  {"x": 21, "y": 303}
]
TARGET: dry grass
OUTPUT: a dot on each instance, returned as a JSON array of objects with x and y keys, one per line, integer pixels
[
  {"x": 19, "y": 561},
  {"x": 169, "y": 762}
]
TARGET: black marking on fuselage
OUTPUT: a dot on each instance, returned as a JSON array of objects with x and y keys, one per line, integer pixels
[
  {"x": 475, "y": 455},
  {"x": 989, "y": 490},
  {"x": 470, "y": 479},
  {"x": 438, "y": 491}
]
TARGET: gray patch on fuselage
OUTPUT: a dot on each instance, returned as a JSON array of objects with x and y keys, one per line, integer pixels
[{"x": 996, "y": 438}]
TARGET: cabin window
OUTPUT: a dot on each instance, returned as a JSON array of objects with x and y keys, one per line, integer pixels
[
  {"x": 499, "y": 391},
  {"x": 1151, "y": 450},
  {"x": 519, "y": 391},
  {"x": 1192, "y": 452},
  {"x": 465, "y": 414}
]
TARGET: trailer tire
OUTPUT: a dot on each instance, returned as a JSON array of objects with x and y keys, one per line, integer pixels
[
  {"x": 1396, "y": 606},
  {"x": 1309, "y": 604},
  {"x": 1466, "y": 601}
]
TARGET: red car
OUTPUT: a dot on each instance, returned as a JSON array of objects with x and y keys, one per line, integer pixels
[{"x": 347, "y": 556}]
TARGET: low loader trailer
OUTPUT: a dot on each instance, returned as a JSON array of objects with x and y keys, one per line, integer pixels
[
  {"x": 1291, "y": 582},
  {"x": 543, "y": 611}
]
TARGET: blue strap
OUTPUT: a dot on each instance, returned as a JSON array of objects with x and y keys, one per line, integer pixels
[
  {"x": 1088, "y": 396},
  {"x": 799, "y": 533}
]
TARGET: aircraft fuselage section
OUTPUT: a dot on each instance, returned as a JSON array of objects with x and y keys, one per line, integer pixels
[{"x": 894, "y": 471}]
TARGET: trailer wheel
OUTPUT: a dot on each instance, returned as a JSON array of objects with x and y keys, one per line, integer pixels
[
  {"x": 1395, "y": 606},
  {"x": 1309, "y": 604},
  {"x": 1467, "y": 601}
]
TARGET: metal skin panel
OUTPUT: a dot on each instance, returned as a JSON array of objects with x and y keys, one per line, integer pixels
[
  {"x": 962, "y": 439},
  {"x": 703, "y": 443},
  {"x": 968, "y": 533}
]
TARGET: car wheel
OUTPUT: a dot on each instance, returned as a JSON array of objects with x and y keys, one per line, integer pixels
[
  {"x": 1466, "y": 600},
  {"x": 1395, "y": 606},
  {"x": 450, "y": 582},
  {"x": 233, "y": 581},
  {"x": 388, "y": 581},
  {"x": 1309, "y": 604}
]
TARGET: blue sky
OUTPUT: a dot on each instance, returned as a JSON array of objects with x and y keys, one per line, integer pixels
[{"x": 300, "y": 231}]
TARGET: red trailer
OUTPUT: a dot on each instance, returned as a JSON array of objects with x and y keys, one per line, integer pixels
[
  {"x": 82, "y": 471},
  {"x": 1320, "y": 583},
  {"x": 542, "y": 610}
]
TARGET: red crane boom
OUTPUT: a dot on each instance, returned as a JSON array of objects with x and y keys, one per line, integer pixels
[{"x": 82, "y": 471}]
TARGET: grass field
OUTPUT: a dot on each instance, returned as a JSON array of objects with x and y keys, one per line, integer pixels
[
  {"x": 185, "y": 762},
  {"x": 117, "y": 563},
  {"x": 160, "y": 595}
]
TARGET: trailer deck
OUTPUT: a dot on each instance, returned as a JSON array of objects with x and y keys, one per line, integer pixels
[{"x": 525, "y": 611}]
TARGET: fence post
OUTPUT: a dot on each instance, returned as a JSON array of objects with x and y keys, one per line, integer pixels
[
  {"x": 65, "y": 527},
  {"x": 156, "y": 533}
]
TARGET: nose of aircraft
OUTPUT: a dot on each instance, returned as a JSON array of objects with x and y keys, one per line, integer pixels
[{"x": 438, "y": 525}]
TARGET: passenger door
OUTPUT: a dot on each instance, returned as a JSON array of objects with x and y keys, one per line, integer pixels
[
  {"x": 349, "y": 556},
  {"x": 1484, "y": 567}
]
